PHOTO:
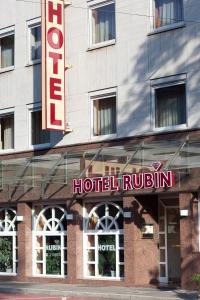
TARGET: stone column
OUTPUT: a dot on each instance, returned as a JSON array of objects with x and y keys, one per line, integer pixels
[
  {"x": 190, "y": 256},
  {"x": 24, "y": 241},
  {"x": 129, "y": 264},
  {"x": 75, "y": 244}
]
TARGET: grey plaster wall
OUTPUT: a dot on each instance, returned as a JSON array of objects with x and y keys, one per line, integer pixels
[{"x": 130, "y": 64}]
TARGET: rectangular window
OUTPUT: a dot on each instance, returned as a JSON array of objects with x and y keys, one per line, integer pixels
[
  {"x": 7, "y": 51},
  {"x": 170, "y": 106},
  {"x": 38, "y": 136},
  {"x": 102, "y": 23},
  {"x": 35, "y": 43},
  {"x": 104, "y": 115},
  {"x": 7, "y": 132},
  {"x": 168, "y": 12}
]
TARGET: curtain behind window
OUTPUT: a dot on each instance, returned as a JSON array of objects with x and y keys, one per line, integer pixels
[
  {"x": 35, "y": 43},
  {"x": 7, "y": 51},
  {"x": 103, "y": 23},
  {"x": 105, "y": 116},
  {"x": 170, "y": 106},
  {"x": 7, "y": 132},
  {"x": 168, "y": 12}
]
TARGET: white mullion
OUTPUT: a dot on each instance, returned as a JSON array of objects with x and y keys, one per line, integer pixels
[
  {"x": 117, "y": 254},
  {"x": 96, "y": 255},
  {"x": 14, "y": 253},
  {"x": 44, "y": 255},
  {"x": 62, "y": 253}
]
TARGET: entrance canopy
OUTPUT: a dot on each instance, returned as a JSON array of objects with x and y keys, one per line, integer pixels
[{"x": 61, "y": 168}]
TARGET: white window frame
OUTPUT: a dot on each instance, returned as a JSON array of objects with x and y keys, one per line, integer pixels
[
  {"x": 92, "y": 5},
  {"x": 166, "y": 27},
  {"x": 115, "y": 232},
  {"x": 44, "y": 234},
  {"x": 98, "y": 95},
  {"x": 4, "y": 113},
  {"x": 4, "y": 32},
  {"x": 10, "y": 231},
  {"x": 31, "y": 24},
  {"x": 162, "y": 83},
  {"x": 32, "y": 108}
]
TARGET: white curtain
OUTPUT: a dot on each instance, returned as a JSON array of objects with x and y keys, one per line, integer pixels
[
  {"x": 35, "y": 43},
  {"x": 170, "y": 106},
  {"x": 105, "y": 116},
  {"x": 7, "y": 132},
  {"x": 167, "y": 12},
  {"x": 103, "y": 23},
  {"x": 7, "y": 51}
]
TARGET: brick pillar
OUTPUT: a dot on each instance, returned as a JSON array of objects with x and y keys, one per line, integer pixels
[
  {"x": 75, "y": 244},
  {"x": 24, "y": 241},
  {"x": 189, "y": 240},
  {"x": 129, "y": 266}
]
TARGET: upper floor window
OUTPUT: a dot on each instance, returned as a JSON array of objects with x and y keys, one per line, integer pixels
[
  {"x": 7, "y": 131},
  {"x": 34, "y": 41},
  {"x": 38, "y": 136},
  {"x": 104, "y": 114},
  {"x": 170, "y": 106},
  {"x": 167, "y": 12},
  {"x": 102, "y": 23},
  {"x": 6, "y": 51}
]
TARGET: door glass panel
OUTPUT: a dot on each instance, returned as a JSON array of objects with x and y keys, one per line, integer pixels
[
  {"x": 6, "y": 254},
  {"x": 162, "y": 270},
  {"x": 53, "y": 255},
  {"x": 173, "y": 244},
  {"x": 107, "y": 255}
]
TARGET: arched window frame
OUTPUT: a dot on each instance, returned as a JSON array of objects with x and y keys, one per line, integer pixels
[
  {"x": 106, "y": 230},
  {"x": 8, "y": 229},
  {"x": 57, "y": 230}
]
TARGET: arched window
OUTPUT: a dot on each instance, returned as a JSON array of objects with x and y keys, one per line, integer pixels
[
  {"x": 50, "y": 241},
  {"x": 104, "y": 240},
  {"x": 8, "y": 245}
]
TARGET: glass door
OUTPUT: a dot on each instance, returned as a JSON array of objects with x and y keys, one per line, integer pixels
[
  {"x": 162, "y": 244},
  {"x": 169, "y": 243}
]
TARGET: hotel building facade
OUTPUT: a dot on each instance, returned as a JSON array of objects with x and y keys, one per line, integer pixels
[{"x": 113, "y": 199}]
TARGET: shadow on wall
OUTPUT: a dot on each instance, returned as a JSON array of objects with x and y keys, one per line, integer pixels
[{"x": 168, "y": 53}]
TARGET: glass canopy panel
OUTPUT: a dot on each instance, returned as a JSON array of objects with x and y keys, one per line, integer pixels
[
  {"x": 106, "y": 161},
  {"x": 188, "y": 157}
]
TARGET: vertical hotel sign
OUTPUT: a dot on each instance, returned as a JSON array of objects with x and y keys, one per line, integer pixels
[{"x": 53, "y": 65}]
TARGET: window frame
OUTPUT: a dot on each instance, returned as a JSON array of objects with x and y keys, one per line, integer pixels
[
  {"x": 117, "y": 232},
  {"x": 163, "y": 83},
  {"x": 93, "y": 5},
  {"x": 34, "y": 108},
  {"x": 3, "y": 114},
  {"x": 5, "y": 32},
  {"x": 98, "y": 95},
  {"x": 199, "y": 220},
  {"x": 172, "y": 26},
  {"x": 32, "y": 24},
  {"x": 44, "y": 234},
  {"x": 13, "y": 234}
]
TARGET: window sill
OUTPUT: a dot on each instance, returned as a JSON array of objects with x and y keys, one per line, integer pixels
[
  {"x": 7, "y": 274},
  {"x": 167, "y": 28},
  {"x": 103, "y": 137},
  {"x": 5, "y": 151},
  {"x": 50, "y": 276},
  {"x": 32, "y": 63},
  {"x": 170, "y": 128},
  {"x": 8, "y": 69},
  {"x": 101, "y": 45},
  {"x": 104, "y": 278}
]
